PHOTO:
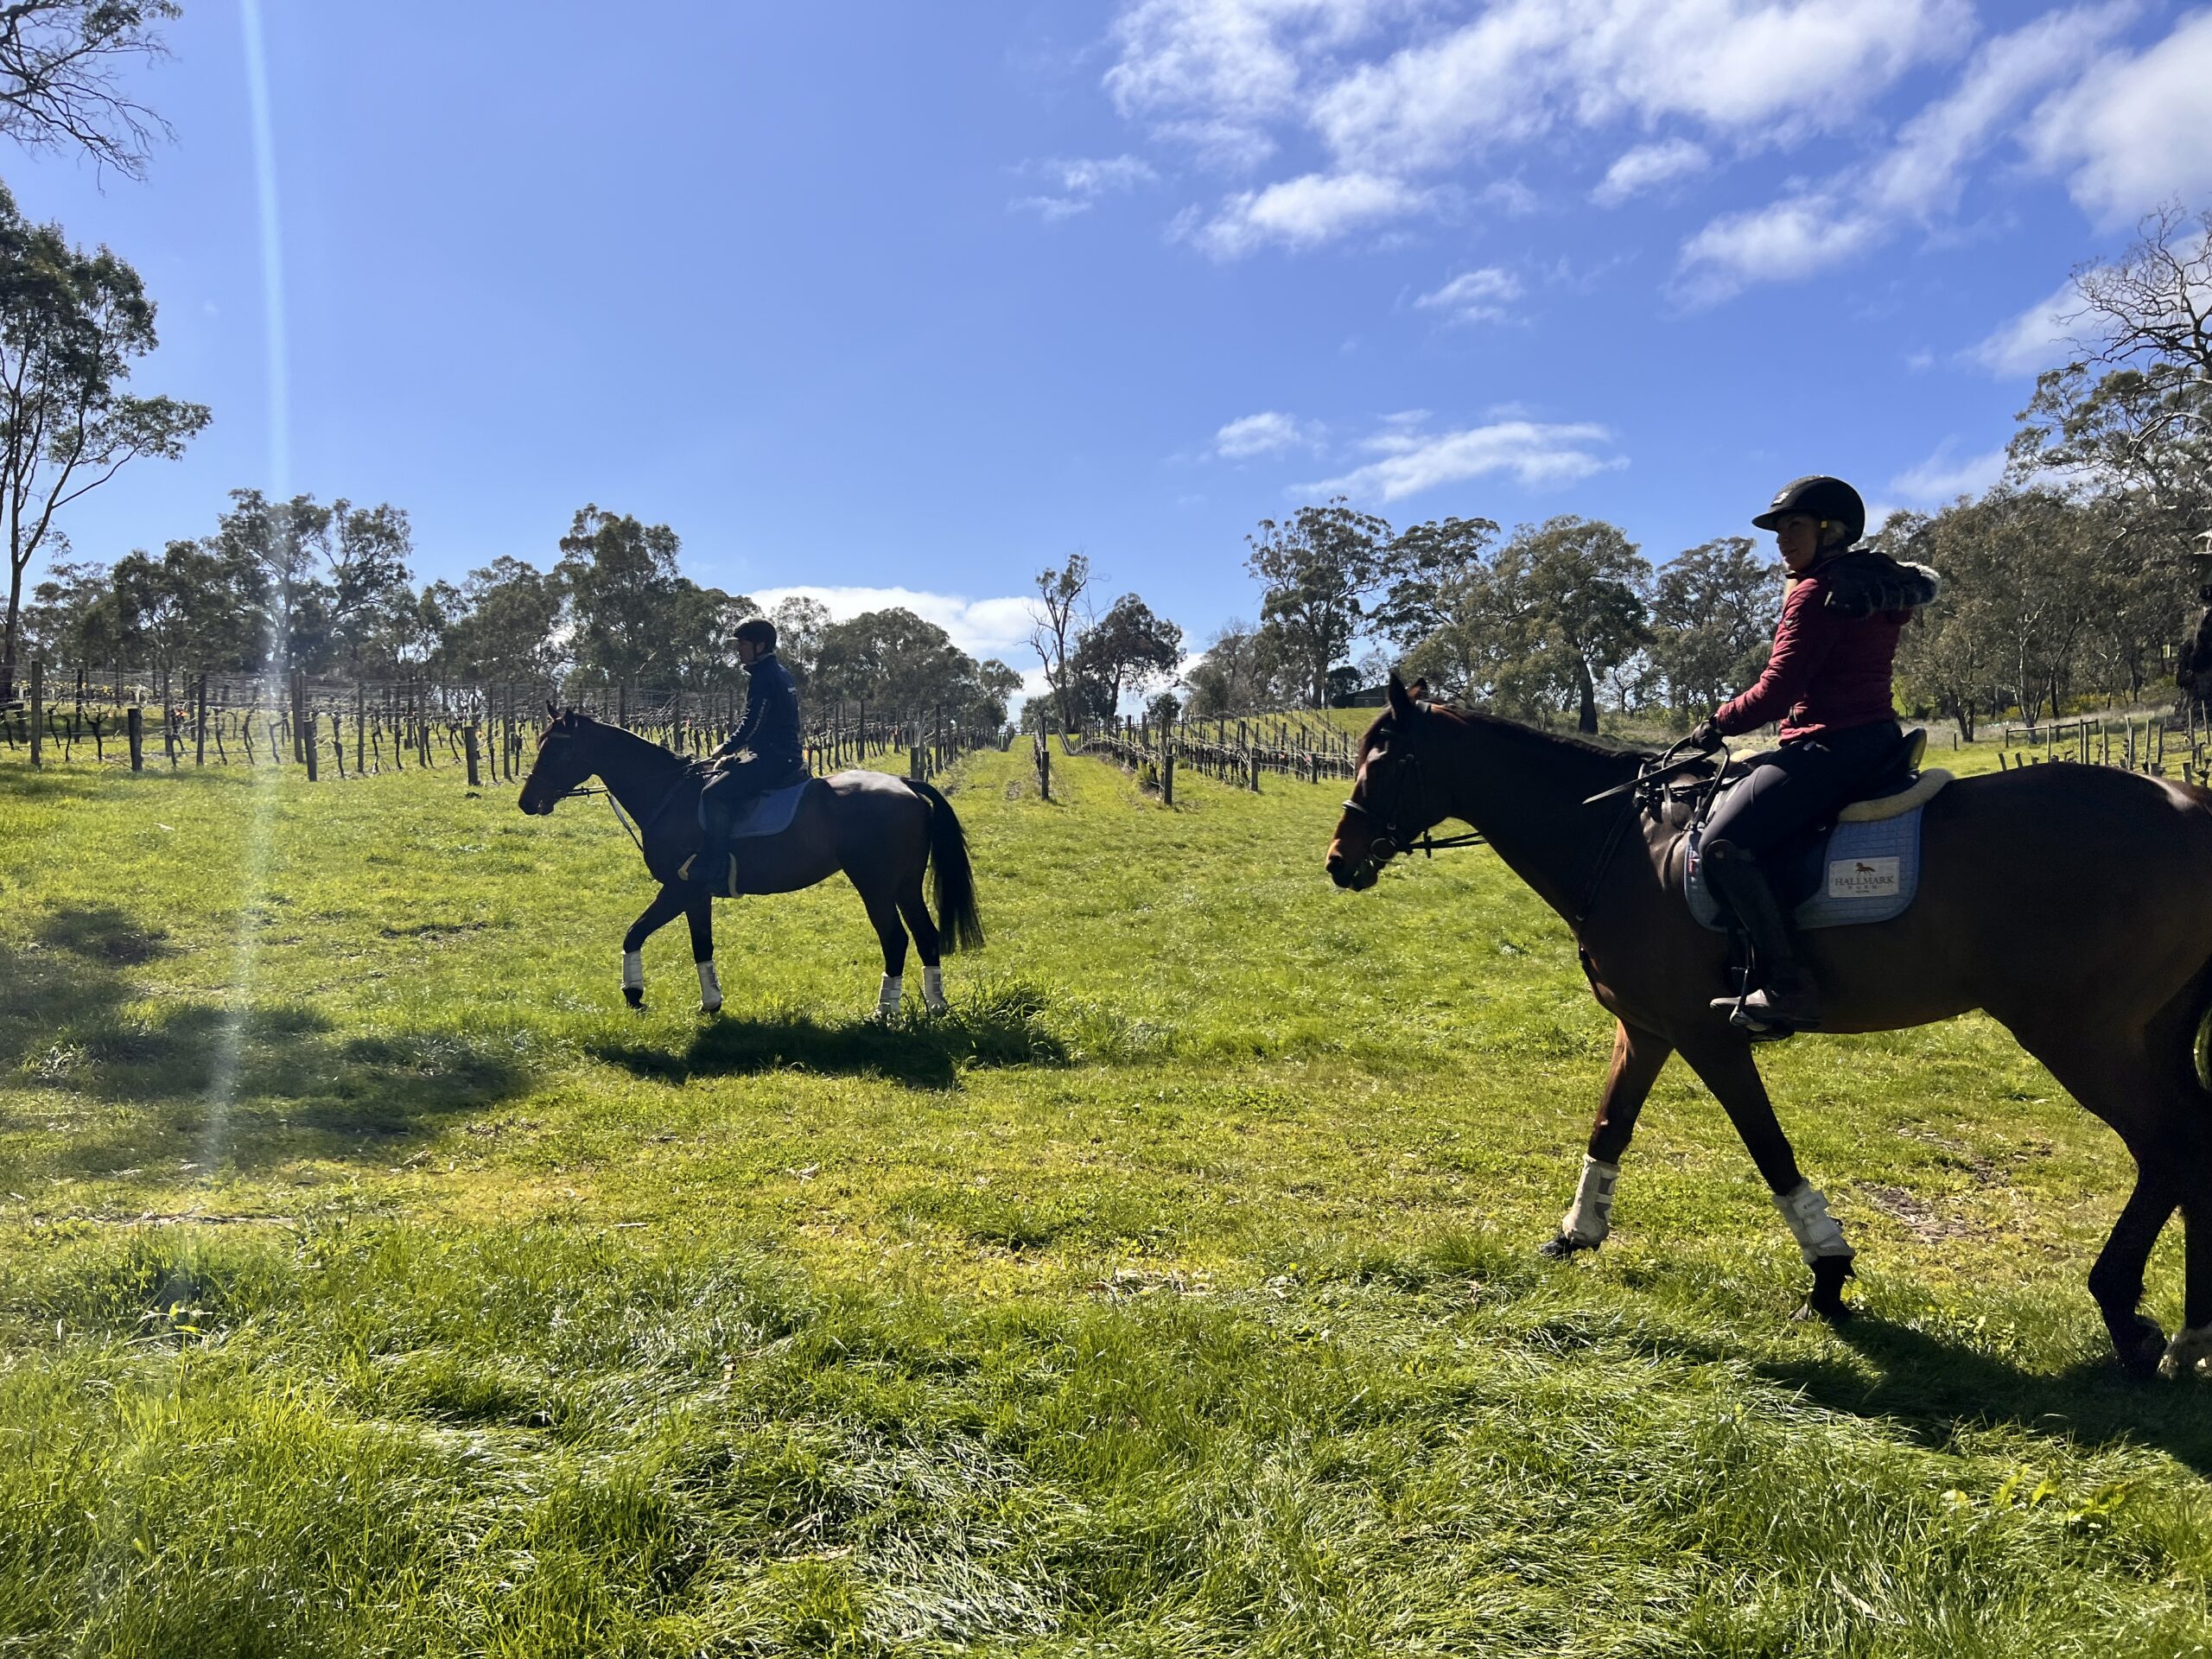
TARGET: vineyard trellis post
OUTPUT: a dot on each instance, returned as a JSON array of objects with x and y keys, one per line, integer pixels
[
  {"x": 134, "y": 719},
  {"x": 38, "y": 712}
]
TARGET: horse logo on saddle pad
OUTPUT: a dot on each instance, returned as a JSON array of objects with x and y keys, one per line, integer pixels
[{"x": 1865, "y": 869}]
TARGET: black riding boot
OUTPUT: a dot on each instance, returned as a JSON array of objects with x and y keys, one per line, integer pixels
[{"x": 1786, "y": 999}]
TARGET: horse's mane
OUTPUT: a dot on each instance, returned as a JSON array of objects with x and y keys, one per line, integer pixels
[{"x": 1458, "y": 715}]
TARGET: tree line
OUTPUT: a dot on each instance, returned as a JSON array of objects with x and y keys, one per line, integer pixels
[{"x": 299, "y": 586}]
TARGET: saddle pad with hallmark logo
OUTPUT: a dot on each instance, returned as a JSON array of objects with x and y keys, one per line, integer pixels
[{"x": 1866, "y": 872}]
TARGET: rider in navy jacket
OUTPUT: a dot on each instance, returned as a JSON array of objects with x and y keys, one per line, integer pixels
[{"x": 765, "y": 751}]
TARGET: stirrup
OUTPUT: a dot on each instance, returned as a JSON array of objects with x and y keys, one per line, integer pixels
[
  {"x": 722, "y": 889},
  {"x": 1759, "y": 1025}
]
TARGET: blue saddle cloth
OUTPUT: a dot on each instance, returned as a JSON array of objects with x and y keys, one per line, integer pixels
[
  {"x": 770, "y": 814},
  {"x": 1858, "y": 872}
]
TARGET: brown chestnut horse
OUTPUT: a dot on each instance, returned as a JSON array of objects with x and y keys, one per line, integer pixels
[
  {"x": 2104, "y": 981},
  {"x": 884, "y": 832}
]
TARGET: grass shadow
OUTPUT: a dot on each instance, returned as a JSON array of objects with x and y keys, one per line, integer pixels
[
  {"x": 271, "y": 1083},
  {"x": 1936, "y": 1388},
  {"x": 1000, "y": 1027},
  {"x": 102, "y": 933}
]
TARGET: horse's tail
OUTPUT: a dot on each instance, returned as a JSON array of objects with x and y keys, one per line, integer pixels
[{"x": 954, "y": 880}]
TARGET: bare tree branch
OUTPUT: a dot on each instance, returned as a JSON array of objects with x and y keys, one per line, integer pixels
[{"x": 62, "y": 79}]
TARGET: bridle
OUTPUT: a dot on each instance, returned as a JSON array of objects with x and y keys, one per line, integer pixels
[
  {"x": 1639, "y": 795},
  {"x": 637, "y": 831},
  {"x": 1390, "y": 837}
]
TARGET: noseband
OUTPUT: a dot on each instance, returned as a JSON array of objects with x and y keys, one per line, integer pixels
[{"x": 1390, "y": 838}]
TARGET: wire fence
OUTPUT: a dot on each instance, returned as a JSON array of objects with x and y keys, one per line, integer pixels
[
  {"x": 485, "y": 732},
  {"x": 1291, "y": 743}
]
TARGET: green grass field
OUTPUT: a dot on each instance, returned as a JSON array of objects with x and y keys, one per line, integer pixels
[{"x": 372, "y": 1282}]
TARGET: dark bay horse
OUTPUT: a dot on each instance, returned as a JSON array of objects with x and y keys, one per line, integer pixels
[
  {"x": 2073, "y": 904},
  {"x": 882, "y": 831}
]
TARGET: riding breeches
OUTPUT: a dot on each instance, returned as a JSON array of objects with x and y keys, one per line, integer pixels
[{"x": 1802, "y": 784}]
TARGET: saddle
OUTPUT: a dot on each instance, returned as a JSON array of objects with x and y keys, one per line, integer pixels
[
  {"x": 770, "y": 814},
  {"x": 1863, "y": 868}
]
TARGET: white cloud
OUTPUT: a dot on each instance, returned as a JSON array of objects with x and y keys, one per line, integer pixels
[
  {"x": 982, "y": 627},
  {"x": 1427, "y": 107},
  {"x": 1942, "y": 477},
  {"x": 1080, "y": 181},
  {"x": 2038, "y": 339},
  {"x": 1475, "y": 295},
  {"x": 1918, "y": 178},
  {"x": 1738, "y": 66},
  {"x": 2134, "y": 130},
  {"x": 1646, "y": 168},
  {"x": 1304, "y": 212},
  {"x": 1411, "y": 461},
  {"x": 1269, "y": 432},
  {"x": 1789, "y": 239},
  {"x": 1212, "y": 73},
  {"x": 1921, "y": 175}
]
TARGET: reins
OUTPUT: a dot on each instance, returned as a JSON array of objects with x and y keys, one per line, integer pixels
[
  {"x": 637, "y": 831},
  {"x": 1637, "y": 793}
]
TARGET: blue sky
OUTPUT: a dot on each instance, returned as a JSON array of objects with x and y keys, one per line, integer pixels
[{"x": 873, "y": 298}]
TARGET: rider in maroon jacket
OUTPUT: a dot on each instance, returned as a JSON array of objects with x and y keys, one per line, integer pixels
[{"x": 1828, "y": 683}]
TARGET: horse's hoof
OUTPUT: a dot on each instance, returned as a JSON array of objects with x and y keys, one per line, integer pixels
[
  {"x": 710, "y": 1007},
  {"x": 2141, "y": 1348},
  {"x": 2191, "y": 1346},
  {"x": 1827, "y": 1301},
  {"x": 1561, "y": 1247},
  {"x": 634, "y": 996}
]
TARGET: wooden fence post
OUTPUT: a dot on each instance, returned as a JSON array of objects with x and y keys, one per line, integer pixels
[
  {"x": 135, "y": 718},
  {"x": 304, "y": 732},
  {"x": 474, "y": 781},
  {"x": 200, "y": 724},
  {"x": 38, "y": 713},
  {"x": 1167, "y": 776}
]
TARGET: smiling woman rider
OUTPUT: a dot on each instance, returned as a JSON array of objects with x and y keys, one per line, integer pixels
[{"x": 1827, "y": 682}]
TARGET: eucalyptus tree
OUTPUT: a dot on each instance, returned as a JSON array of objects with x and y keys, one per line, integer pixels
[
  {"x": 72, "y": 325},
  {"x": 1712, "y": 615},
  {"x": 1060, "y": 614},
  {"x": 1318, "y": 569},
  {"x": 62, "y": 64},
  {"x": 1581, "y": 583},
  {"x": 1126, "y": 649},
  {"x": 2130, "y": 418}
]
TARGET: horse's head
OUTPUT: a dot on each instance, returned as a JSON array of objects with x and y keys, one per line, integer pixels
[
  {"x": 1390, "y": 806},
  {"x": 565, "y": 759}
]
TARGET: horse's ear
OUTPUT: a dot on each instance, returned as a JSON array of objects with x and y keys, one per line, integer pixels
[
  {"x": 552, "y": 709},
  {"x": 1402, "y": 701}
]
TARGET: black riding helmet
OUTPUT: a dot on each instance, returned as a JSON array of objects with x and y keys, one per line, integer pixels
[{"x": 1824, "y": 498}]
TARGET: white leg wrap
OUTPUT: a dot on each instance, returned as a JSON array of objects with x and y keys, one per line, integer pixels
[
  {"x": 1818, "y": 1233},
  {"x": 710, "y": 988},
  {"x": 886, "y": 998},
  {"x": 934, "y": 988},
  {"x": 2191, "y": 1346},
  {"x": 633, "y": 970},
  {"x": 1592, "y": 1218}
]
